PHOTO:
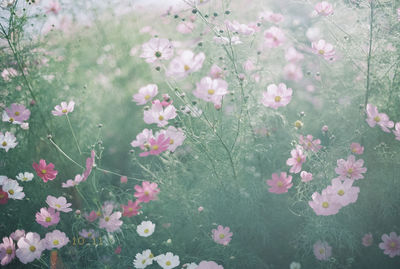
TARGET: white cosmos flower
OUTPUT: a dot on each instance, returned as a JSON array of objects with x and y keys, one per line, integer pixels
[
  {"x": 8, "y": 141},
  {"x": 14, "y": 190},
  {"x": 295, "y": 265},
  {"x": 143, "y": 259},
  {"x": 146, "y": 228},
  {"x": 168, "y": 260},
  {"x": 25, "y": 176}
]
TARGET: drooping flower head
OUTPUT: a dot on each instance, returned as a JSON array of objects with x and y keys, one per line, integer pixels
[
  {"x": 90, "y": 162},
  {"x": 376, "y": 118},
  {"x": 157, "y": 49},
  {"x": 390, "y": 244},
  {"x": 64, "y": 108},
  {"x": 211, "y": 90},
  {"x": 280, "y": 184},
  {"x": 322, "y": 251},
  {"x": 147, "y": 192},
  {"x": 47, "y": 217},
  {"x": 222, "y": 235},
  {"x": 45, "y": 171}
]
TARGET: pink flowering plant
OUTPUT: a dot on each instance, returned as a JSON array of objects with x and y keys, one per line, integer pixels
[{"x": 199, "y": 134}]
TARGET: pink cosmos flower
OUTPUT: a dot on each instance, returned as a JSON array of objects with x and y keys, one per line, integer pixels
[
  {"x": 143, "y": 139},
  {"x": 396, "y": 131},
  {"x": 322, "y": 251},
  {"x": 157, "y": 49},
  {"x": 53, "y": 7},
  {"x": 158, "y": 114},
  {"x": 89, "y": 166},
  {"x": 124, "y": 179},
  {"x": 374, "y": 117},
  {"x": 351, "y": 168},
  {"x": 248, "y": 66},
  {"x": 271, "y": 17},
  {"x": 298, "y": 158},
  {"x": 390, "y": 244},
  {"x": 293, "y": 56},
  {"x": 209, "y": 265},
  {"x": 47, "y": 217},
  {"x": 237, "y": 27},
  {"x": 185, "y": 27},
  {"x": 324, "y": 49},
  {"x": 118, "y": 250},
  {"x": 157, "y": 145},
  {"x": 55, "y": 239},
  {"x": 3, "y": 197},
  {"x": 63, "y": 109},
  {"x": 356, "y": 148},
  {"x": 277, "y": 96},
  {"x": 7, "y": 251},
  {"x": 92, "y": 216},
  {"x": 147, "y": 192},
  {"x": 324, "y": 8},
  {"x": 293, "y": 72},
  {"x": 71, "y": 183},
  {"x": 17, "y": 235},
  {"x": 30, "y": 248},
  {"x": 211, "y": 90},
  {"x": 89, "y": 233},
  {"x": 59, "y": 204},
  {"x": 367, "y": 240},
  {"x": 9, "y": 73},
  {"x": 274, "y": 37},
  {"x": 305, "y": 176},
  {"x": 131, "y": 209},
  {"x": 325, "y": 128},
  {"x": 176, "y": 137},
  {"x": 145, "y": 94},
  {"x": 185, "y": 64},
  {"x": 110, "y": 221},
  {"x": 166, "y": 101},
  {"x": 324, "y": 205},
  {"x": 17, "y": 113},
  {"x": 45, "y": 171},
  {"x": 216, "y": 72},
  {"x": 343, "y": 192},
  {"x": 309, "y": 144},
  {"x": 222, "y": 235},
  {"x": 280, "y": 184}
]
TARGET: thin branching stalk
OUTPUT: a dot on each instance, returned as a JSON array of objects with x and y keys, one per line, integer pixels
[
  {"x": 371, "y": 23},
  {"x": 73, "y": 134}
]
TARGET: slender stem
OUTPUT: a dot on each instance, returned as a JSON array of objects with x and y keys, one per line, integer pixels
[
  {"x": 65, "y": 154},
  {"x": 369, "y": 52},
  {"x": 116, "y": 174},
  {"x": 73, "y": 134}
]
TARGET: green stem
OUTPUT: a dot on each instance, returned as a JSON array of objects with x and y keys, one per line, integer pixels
[
  {"x": 369, "y": 53},
  {"x": 73, "y": 134}
]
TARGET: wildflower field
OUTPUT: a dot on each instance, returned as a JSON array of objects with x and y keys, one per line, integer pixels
[{"x": 200, "y": 134}]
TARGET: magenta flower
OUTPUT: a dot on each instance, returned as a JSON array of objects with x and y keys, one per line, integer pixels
[
  {"x": 89, "y": 166},
  {"x": 367, "y": 240},
  {"x": 211, "y": 90},
  {"x": 158, "y": 114},
  {"x": 343, "y": 192},
  {"x": 17, "y": 113},
  {"x": 55, "y": 239},
  {"x": 280, "y": 184},
  {"x": 110, "y": 221},
  {"x": 131, "y": 209},
  {"x": 7, "y": 251},
  {"x": 274, "y": 37},
  {"x": 47, "y": 217},
  {"x": 157, "y": 145},
  {"x": 157, "y": 49},
  {"x": 209, "y": 265},
  {"x": 59, "y": 204},
  {"x": 324, "y": 8},
  {"x": 374, "y": 117},
  {"x": 298, "y": 158},
  {"x": 185, "y": 64},
  {"x": 322, "y": 251},
  {"x": 92, "y": 216},
  {"x": 145, "y": 94},
  {"x": 309, "y": 144},
  {"x": 63, "y": 109},
  {"x": 221, "y": 235},
  {"x": 390, "y": 244},
  {"x": 44, "y": 171},
  {"x": 324, "y": 205},
  {"x": 356, "y": 148},
  {"x": 305, "y": 176},
  {"x": 147, "y": 192},
  {"x": 3, "y": 197},
  {"x": 351, "y": 168},
  {"x": 124, "y": 179},
  {"x": 324, "y": 49},
  {"x": 396, "y": 131},
  {"x": 277, "y": 96}
]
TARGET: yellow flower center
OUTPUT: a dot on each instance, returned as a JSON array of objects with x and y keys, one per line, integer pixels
[
  {"x": 325, "y": 204},
  {"x": 298, "y": 124},
  {"x": 130, "y": 209},
  {"x": 340, "y": 192},
  {"x": 171, "y": 141},
  {"x": 24, "y": 178},
  {"x": 11, "y": 120},
  {"x": 279, "y": 184},
  {"x": 161, "y": 117},
  {"x": 350, "y": 171},
  {"x": 277, "y": 99},
  {"x": 147, "y": 97},
  {"x": 155, "y": 147},
  {"x": 32, "y": 248},
  {"x": 16, "y": 113},
  {"x": 58, "y": 206},
  {"x": 322, "y": 251},
  {"x": 107, "y": 218},
  {"x": 64, "y": 111},
  {"x": 322, "y": 52},
  {"x": 56, "y": 242},
  {"x": 98, "y": 213},
  {"x": 11, "y": 191},
  {"x": 2, "y": 196},
  {"x": 4, "y": 144},
  {"x": 377, "y": 119},
  {"x": 168, "y": 263},
  {"x": 392, "y": 245},
  {"x": 211, "y": 91},
  {"x": 146, "y": 193},
  {"x": 89, "y": 234},
  {"x": 146, "y": 231},
  {"x": 221, "y": 236},
  {"x": 151, "y": 256},
  {"x": 9, "y": 251},
  {"x": 48, "y": 219},
  {"x": 143, "y": 261},
  {"x": 298, "y": 159},
  {"x": 186, "y": 67},
  {"x": 44, "y": 171}
]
